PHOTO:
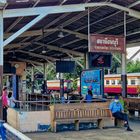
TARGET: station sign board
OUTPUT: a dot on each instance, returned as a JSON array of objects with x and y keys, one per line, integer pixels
[{"x": 107, "y": 43}]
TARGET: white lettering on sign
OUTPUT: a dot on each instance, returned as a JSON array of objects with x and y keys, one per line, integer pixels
[{"x": 107, "y": 41}]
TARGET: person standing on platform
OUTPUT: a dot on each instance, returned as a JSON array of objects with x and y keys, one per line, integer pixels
[
  {"x": 11, "y": 100},
  {"x": 4, "y": 103},
  {"x": 117, "y": 111}
]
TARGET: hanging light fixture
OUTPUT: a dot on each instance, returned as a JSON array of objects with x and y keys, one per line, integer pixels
[
  {"x": 61, "y": 35},
  {"x": 44, "y": 50},
  {"x": 14, "y": 54}
]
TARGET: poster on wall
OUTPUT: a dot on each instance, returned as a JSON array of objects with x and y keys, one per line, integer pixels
[{"x": 91, "y": 80}]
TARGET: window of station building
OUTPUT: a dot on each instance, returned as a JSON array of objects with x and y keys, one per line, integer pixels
[
  {"x": 107, "y": 82},
  {"x": 133, "y": 82},
  {"x": 113, "y": 82}
]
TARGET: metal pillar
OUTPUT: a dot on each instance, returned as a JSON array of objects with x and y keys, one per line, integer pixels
[
  {"x": 124, "y": 73},
  {"x": 87, "y": 61},
  {"x": 86, "y": 56},
  {"x": 1, "y": 50},
  {"x": 45, "y": 71},
  {"x": 124, "y": 76},
  {"x": 1, "y": 57},
  {"x": 15, "y": 81},
  {"x": 32, "y": 80},
  {"x": 44, "y": 86},
  {"x": 61, "y": 85}
]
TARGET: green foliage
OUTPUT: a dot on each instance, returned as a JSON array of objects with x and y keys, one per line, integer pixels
[
  {"x": 133, "y": 66},
  {"x": 77, "y": 72},
  {"x": 115, "y": 64},
  {"x": 75, "y": 75},
  {"x": 75, "y": 86}
]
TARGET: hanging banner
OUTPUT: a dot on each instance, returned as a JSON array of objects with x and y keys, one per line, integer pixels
[{"x": 106, "y": 43}]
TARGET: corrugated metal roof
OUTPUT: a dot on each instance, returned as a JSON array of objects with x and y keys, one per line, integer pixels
[{"x": 103, "y": 20}]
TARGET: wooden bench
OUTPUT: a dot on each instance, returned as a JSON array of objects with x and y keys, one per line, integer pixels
[
  {"x": 133, "y": 105},
  {"x": 79, "y": 112}
]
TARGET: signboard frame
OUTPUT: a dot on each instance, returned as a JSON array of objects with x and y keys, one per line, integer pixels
[
  {"x": 107, "y": 43},
  {"x": 98, "y": 55},
  {"x": 101, "y": 71}
]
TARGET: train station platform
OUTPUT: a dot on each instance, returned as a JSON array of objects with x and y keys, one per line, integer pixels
[{"x": 96, "y": 134}]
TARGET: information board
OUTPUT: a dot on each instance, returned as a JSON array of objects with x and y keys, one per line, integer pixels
[
  {"x": 91, "y": 80},
  {"x": 99, "y": 60}
]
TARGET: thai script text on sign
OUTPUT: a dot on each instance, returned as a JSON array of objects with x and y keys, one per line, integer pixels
[{"x": 106, "y": 43}]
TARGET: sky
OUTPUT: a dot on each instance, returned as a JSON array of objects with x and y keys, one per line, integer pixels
[{"x": 131, "y": 51}]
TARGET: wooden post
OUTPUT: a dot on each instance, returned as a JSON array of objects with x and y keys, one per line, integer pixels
[
  {"x": 77, "y": 125},
  {"x": 100, "y": 123}
]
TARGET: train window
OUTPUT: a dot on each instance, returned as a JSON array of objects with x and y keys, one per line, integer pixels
[
  {"x": 113, "y": 82},
  {"x": 107, "y": 82},
  {"x": 133, "y": 82},
  {"x": 118, "y": 82}
]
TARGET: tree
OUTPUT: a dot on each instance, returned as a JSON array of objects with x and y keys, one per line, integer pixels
[{"x": 133, "y": 66}]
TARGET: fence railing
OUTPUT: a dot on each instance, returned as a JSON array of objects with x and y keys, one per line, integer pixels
[
  {"x": 9, "y": 133},
  {"x": 45, "y": 105}
]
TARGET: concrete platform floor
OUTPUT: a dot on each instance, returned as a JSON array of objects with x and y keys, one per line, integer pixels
[{"x": 95, "y": 134}]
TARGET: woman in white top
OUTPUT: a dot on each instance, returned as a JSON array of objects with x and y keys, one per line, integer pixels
[{"x": 11, "y": 100}]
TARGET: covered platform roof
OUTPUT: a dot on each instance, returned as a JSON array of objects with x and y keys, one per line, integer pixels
[{"x": 24, "y": 41}]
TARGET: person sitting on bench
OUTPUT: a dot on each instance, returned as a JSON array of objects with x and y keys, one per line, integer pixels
[{"x": 117, "y": 111}]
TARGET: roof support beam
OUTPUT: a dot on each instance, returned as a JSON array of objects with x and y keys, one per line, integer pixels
[
  {"x": 79, "y": 35},
  {"x": 135, "y": 3},
  {"x": 133, "y": 32},
  {"x": 133, "y": 56},
  {"x": 16, "y": 45},
  {"x": 31, "y": 33},
  {"x": 134, "y": 44},
  {"x": 117, "y": 58},
  {"x": 75, "y": 18},
  {"x": 37, "y": 55},
  {"x": 37, "y": 68},
  {"x": 60, "y": 49},
  {"x": 18, "y": 19},
  {"x": 42, "y": 10},
  {"x": 115, "y": 26},
  {"x": 31, "y": 61},
  {"x": 76, "y": 60},
  {"x": 65, "y": 8},
  {"x": 63, "y": 1},
  {"x": 23, "y": 29}
]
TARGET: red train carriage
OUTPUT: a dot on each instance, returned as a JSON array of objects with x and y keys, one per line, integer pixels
[
  {"x": 112, "y": 84},
  {"x": 54, "y": 85}
]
